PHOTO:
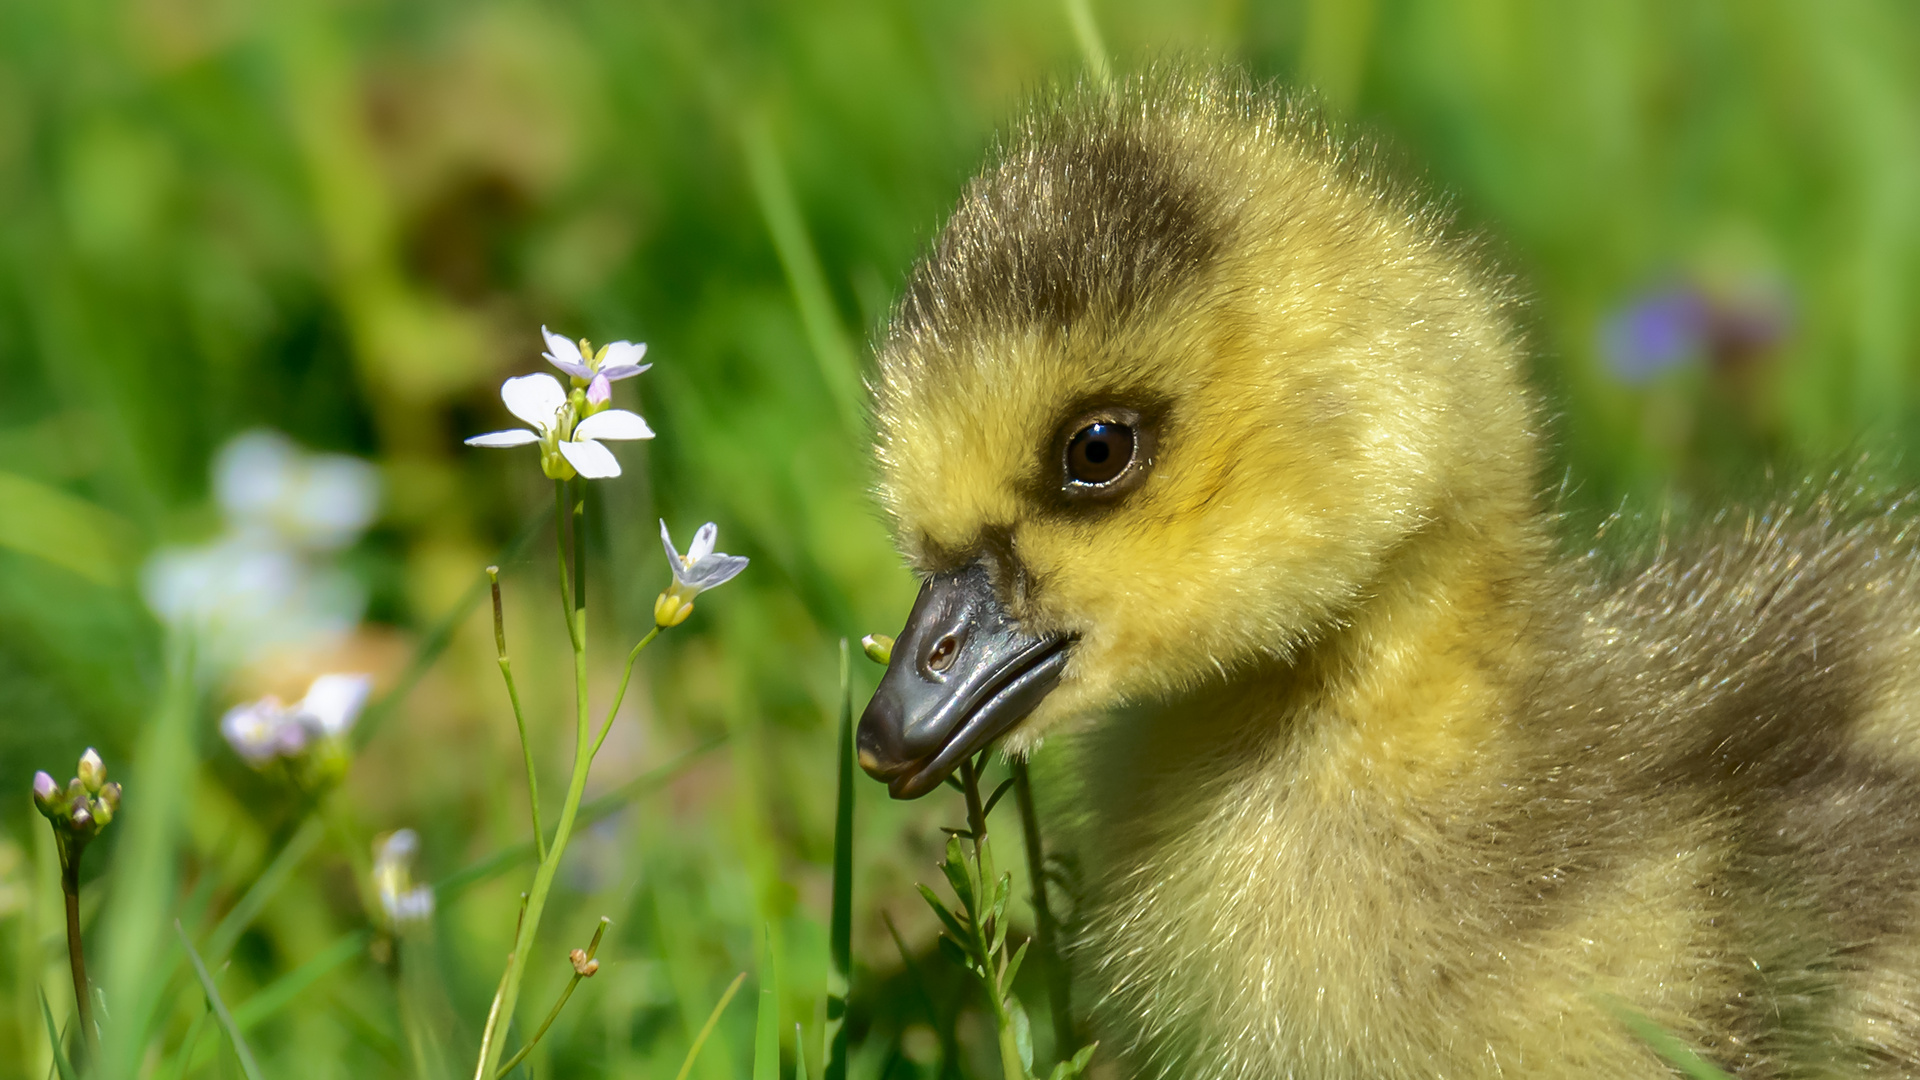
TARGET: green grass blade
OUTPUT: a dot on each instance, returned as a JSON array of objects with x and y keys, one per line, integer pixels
[
  {"x": 839, "y": 364},
  {"x": 60, "y": 1061},
  {"x": 277, "y": 994},
  {"x": 240, "y": 1048},
  {"x": 706, "y": 1029},
  {"x": 799, "y": 1053},
  {"x": 766, "y": 1041},
  {"x": 840, "y": 929},
  {"x": 1663, "y": 1042},
  {"x": 265, "y": 887},
  {"x": 133, "y": 938}
]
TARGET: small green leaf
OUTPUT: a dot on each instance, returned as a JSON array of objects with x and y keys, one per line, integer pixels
[
  {"x": 1022, "y": 1032},
  {"x": 955, "y": 867},
  {"x": 994, "y": 798},
  {"x": 799, "y": 1054},
  {"x": 1013, "y": 965},
  {"x": 953, "y": 924},
  {"x": 1068, "y": 1070},
  {"x": 956, "y": 953}
]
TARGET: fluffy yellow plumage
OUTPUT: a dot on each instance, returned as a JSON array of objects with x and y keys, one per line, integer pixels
[{"x": 1374, "y": 784}]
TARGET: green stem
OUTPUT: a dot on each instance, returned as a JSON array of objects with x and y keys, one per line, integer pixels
[
  {"x": 492, "y": 1044},
  {"x": 592, "y": 948},
  {"x": 983, "y": 883},
  {"x": 76, "y": 952},
  {"x": 560, "y": 555},
  {"x": 1059, "y": 986},
  {"x": 621, "y": 694},
  {"x": 519, "y": 717}
]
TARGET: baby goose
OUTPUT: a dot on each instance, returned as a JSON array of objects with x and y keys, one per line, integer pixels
[{"x": 1216, "y": 449}]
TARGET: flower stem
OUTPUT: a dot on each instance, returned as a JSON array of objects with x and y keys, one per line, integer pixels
[
  {"x": 519, "y": 717},
  {"x": 1045, "y": 931},
  {"x": 76, "y": 952},
  {"x": 620, "y": 694},
  {"x": 492, "y": 1045},
  {"x": 592, "y": 948},
  {"x": 992, "y": 969}
]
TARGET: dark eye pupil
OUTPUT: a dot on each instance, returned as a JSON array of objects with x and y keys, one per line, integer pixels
[{"x": 1099, "y": 452}]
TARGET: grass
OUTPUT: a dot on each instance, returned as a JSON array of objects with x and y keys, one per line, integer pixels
[{"x": 344, "y": 222}]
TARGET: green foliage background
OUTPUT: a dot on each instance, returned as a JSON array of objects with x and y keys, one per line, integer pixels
[{"x": 344, "y": 219}]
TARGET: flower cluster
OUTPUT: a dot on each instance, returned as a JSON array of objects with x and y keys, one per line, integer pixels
[
  {"x": 569, "y": 424},
  {"x": 404, "y": 902},
  {"x": 84, "y": 807},
  {"x": 272, "y": 577},
  {"x": 265, "y": 731}
]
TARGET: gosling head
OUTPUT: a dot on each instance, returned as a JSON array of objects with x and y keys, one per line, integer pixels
[{"x": 1175, "y": 383}]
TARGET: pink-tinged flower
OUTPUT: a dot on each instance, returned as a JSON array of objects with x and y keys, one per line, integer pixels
[
  {"x": 700, "y": 569},
  {"x": 598, "y": 370},
  {"x": 541, "y": 401},
  {"x": 260, "y": 731}
]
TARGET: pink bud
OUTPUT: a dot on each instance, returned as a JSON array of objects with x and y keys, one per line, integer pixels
[{"x": 45, "y": 793}]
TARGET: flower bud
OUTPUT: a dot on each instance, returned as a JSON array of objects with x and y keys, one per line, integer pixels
[
  {"x": 102, "y": 813},
  {"x": 878, "y": 647},
  {"x": 583, "y": 965},
  {"x": 76, "y": 792},
  {"x": 81, "y": 818},
  {"x": 671, "y": 609},
  {"x": 93, "y": 771},
  {"x": 46, "y": 794},
  {"x": 110, "y": 797}
]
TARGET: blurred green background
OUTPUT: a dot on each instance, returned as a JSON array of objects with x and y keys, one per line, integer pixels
[{"x": 345, "y": 221}]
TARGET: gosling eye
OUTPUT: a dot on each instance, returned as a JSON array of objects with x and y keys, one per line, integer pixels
[{"x": 1100, "y": 452}]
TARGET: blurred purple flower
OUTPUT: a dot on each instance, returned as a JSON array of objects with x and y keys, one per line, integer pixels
[
  {"x": 1686, "y": 322},
  {"x": 1659, "y": 331}
]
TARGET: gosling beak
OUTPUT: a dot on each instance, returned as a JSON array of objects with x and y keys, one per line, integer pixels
[{"x": 962, "y": 675}]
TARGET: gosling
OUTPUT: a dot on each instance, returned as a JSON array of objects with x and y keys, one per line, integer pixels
[{"x": 1214, "y": 448}]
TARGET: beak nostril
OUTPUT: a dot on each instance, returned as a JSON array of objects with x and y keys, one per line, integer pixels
[{"x": 943, "y": 653}]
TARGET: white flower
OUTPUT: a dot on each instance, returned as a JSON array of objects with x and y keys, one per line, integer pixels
[
  {"x": 260, "y": 731},
  {"x": 615, "y": 361},
  {"x": 321, "y": 502},
  {"x": 700, "y": 569},
  {"x": 268, "y": 580},
  {"x": 539, "y": 400},
  {"x": 393, "y": 878}
]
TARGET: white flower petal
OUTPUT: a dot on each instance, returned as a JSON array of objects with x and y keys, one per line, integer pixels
[
  {"x": 513, "y": 437},
  {"x": 600, "y": 389},
  {"x": 534, "y": 398},
  {"x": 622, "y": 355},
  {"x": 565, "y": 355},
  {"x": 716, "y": 569},
  {"x": 703, "y": 542},
  {"x": 593, "y": 461},
  {"x": 673, "y": 554},
  {"x": 253, "y": 472},
  {"x": 613, "y": 424},
  {"x": 335, "y": 701},
  {"x": 333, "y": 504}
]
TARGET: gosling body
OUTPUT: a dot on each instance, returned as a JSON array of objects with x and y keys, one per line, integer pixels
[{"x": 1370, "y": 782}]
